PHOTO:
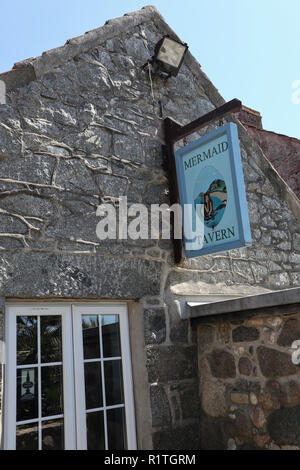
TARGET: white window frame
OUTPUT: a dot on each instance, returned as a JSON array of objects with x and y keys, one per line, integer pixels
[
  {"x": 108, "y": 309},
  {"x": 73, "y": 369}
]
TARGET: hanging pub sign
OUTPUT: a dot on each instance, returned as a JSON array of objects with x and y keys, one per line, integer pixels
[{"x": 212, "y": 193}]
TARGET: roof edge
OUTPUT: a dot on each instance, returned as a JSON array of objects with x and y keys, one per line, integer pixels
[
  {"x": 49, "y": 60},
  {"x": 25, "y": 71},
  {"x": 252, "y": 302}
]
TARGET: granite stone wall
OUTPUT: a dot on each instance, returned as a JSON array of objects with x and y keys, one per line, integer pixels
[
  {"x": 84, "y": 125},
  {"x": 250, "y": 386}
]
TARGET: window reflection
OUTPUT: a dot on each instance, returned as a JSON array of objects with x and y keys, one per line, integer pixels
[
  {"x": 93, "y": 385},
  {"x": 95, "y": 431},
  {"x": 90, "y": 331},
  {"x": 51, "y": 386},
  {"x": 113, "y": 382},
  {"x": 26, "y": 340},
  {"x": 116, "y": 429},
  {"x": 50, "y": 338},
  {"x": 27, "y": 437},
  {"x": 111, "y": 336},
  {"x": 53, "y": 434},
  {"x": 52, "y": 390},
  {"x": 27, "y": 394}
]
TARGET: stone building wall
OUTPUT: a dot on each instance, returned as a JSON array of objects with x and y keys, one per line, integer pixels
[
  {"x": 282, "y": 151},
  {"x": 250, "y": 387},
  {"x": 284, "y": 154},
  {"x": 82, "y": 126}
]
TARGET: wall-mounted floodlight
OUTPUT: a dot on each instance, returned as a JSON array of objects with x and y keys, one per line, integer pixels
[{"x": 168, "y": 57}]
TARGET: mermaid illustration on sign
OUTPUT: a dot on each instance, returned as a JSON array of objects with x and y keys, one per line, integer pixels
[{"x": 210, "y": 191}]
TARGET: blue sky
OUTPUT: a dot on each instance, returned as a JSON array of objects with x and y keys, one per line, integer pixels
[{"x": 248, "y": 48}]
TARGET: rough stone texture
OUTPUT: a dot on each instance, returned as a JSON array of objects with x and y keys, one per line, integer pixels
[
  {"x": 212, "y": 434},
  {"x": 222, "y": 364},
  {"x": 240, "y": 426},
  {"x": 245, "y": 366},
  {"x": 179, "y": 331},
  {"x": 231, "y": 444},
  {"x": 213, "y": 398},
  {"x": 275, "y": 146},
  {"x": 2, "y": 92},
  {"x": 261, "y": 439},
  {"x": 275, "y": 363},
  {"x": 257, "y": 417},
  {"x": 268, "y": 401},
  {"x": 190, "y": 402},
  {"x": 253, "y": 398},
  {"x": 168, "y": 363},
  {"x": 290, "y": 394},
  {"x": 289, "y": 333},
  {"x": 205, "y": 336},
  {"x": 74, "y": 275},
  {"x": 283, "y": 425},
  {"x": 250, "y": 117},
  {"x": 155, "y": 326},
  {"x": 223, "y": 333},
  {"x": 2, "y": 319},
  {"x": 79, "y": 128},
  {"x": 243, "y": 333},
  {"x": 258, "y": 407},
  {"x": 240, "y": 398},
  {"x": 173, "y": 439},
  {"x": 161, "y": 415}
]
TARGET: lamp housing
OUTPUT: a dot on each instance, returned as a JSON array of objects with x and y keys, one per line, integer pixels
[{"x": 168, "y": 56}]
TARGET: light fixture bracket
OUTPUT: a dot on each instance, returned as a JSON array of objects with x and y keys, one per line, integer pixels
[{"x": 168, "y": 56}]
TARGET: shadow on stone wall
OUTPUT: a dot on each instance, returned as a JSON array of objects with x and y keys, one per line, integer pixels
[{"x": 250, "y": 388}]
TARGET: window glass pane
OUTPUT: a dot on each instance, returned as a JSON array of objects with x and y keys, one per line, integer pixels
[
  {"x": 52, "y": 390},
  {"x": 26, "y": 340},
  {"x": 27, "y": 437},
  {"x": 93, "y": 385},
  {"x": 95, "y": 431},
  {"x": 113, "y": 382},
  {"x": 51, "y": 338},
  {"x": 111, "y": 336},
  {"x": 116, "y": 429},
  {"x": 27, "y": 394},
  {"x": 53, "y": 434},
  {"x": 90, "y": 327}
]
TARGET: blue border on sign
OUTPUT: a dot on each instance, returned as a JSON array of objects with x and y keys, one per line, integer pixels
[{"x": 230, "y": 130}]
